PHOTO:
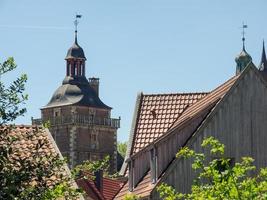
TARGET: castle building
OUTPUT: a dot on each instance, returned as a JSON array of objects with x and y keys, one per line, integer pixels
[{"x": 79, "y": 121}]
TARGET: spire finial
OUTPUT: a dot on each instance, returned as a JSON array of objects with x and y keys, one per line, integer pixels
[
  {"x": 243, "y": 34},
  {"x": 76, "y": 22},
  {"x": 263, "y": 63}
]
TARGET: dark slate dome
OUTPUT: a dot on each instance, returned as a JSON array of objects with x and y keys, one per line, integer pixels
[
  {"x": 76, "y": 91},
  {"x": 243, "y": 57},
  {"x": 75, "y": 51},
  {"x": 242, "y": 60}
]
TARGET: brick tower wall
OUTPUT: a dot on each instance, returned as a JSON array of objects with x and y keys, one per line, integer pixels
[{"x": 78, "y": 140}]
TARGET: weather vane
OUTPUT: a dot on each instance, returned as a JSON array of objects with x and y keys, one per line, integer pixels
[
  {"x": 243, "y": 34},
  {"x": 76, "y": 22}
]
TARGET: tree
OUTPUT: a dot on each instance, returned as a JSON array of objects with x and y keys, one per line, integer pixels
[
  {"x": 122, "y": 148},
  {"x": 219, "y": 178},
  {"x": 12, "y": 97},
  {"x": 92, "y": 167},
  {"x": 27, "y": 177},
  {"x": 131, "y": 197}
]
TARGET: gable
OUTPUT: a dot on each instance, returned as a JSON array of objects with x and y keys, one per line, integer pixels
[
  {"x": 157, "y": 113},
  {"x": 154, "y": 115},
  {"x": 238, "y": 121}
]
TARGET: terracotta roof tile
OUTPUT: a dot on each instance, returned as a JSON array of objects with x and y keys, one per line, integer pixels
[
  {"x": 27, "y": 143},
  {"x": 110, "y": 188},
  {"x": 144, "y": 187},
  {"x": 157, "y": 113},
  {"x": 209, "y": 99}
]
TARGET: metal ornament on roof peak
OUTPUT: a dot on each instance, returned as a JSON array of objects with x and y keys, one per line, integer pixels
[
  {"x": 75, "y": 51},
  {"x": 263, "y": 63},
  {"x": 243, "y": 34},
  {"x": 243, "y": 59}
]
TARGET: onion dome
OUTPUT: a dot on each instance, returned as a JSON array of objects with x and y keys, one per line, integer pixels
[
  {"x": 75, "y": 51},
  {"x": 76, "y": 91},
  {"x": 243, "y": 57},
  {"x": 242, "y": 60}
]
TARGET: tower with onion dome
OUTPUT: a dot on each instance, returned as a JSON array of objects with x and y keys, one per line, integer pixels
[{"x": 80, "y": 122}]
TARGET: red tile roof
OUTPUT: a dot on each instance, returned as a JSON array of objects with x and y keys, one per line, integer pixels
[
  {"x": 90, "y": 189},
  {"x": 144, "y": 187},
  {"x": 156, "y": 114},
  {"x": 213, "y": 97},
  {"x": 27, "y": 139},
  {"x": 33, "y": 141},
  {"x": 110, "y": 188}
]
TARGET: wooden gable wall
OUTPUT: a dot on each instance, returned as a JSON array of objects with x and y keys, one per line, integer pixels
[{"x": 239, "y": 121}]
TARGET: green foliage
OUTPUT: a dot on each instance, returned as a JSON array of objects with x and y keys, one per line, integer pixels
[
  {"x": 13, "y": 96},
  {"x": 39, "y": 175},
  {"x": 131, "y": 197},
  {"x": 218, "y": 178},
  {"x": 92, "y": 167},
  {"x": 122, "y": 148},
  {"x": 46, "y": 124}
]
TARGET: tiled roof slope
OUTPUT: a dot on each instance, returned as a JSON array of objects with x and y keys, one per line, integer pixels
[
  {"x": 25, "y": 144},
  {"x": 156, "y": 114},
  {"x": 110, "y": 188},
  {"x": 207, "y": 103},
  {"x": 143, "y": 189},
  {"x": 34, "y": 141},
  {"x": 90, "y": 189},
  {"x": 214, "y": 96}
]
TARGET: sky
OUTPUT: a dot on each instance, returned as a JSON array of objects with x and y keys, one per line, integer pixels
[{"x": 149, "y": 46}]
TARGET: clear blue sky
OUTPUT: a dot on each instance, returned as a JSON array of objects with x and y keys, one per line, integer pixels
[{"x": 159, "y": 46}]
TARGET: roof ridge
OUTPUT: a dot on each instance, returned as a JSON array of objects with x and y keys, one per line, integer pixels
[
  {"x": 228, "y": 80},
  {"x": 235, "y": 81},
  {"x": 182, "y": 118},
  {"x": 181, "y": 93}
]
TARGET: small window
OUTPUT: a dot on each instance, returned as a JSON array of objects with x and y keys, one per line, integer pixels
[
  {"x": 56, "y": 112},
  {"x": 94, "y": 138},
  {"x": 94, "y": 142}
]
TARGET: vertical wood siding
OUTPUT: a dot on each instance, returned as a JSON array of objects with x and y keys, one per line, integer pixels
[{"x": 239, "y": 121}]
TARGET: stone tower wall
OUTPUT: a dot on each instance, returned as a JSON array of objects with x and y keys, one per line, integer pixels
[{"x": 82, "y": 141}]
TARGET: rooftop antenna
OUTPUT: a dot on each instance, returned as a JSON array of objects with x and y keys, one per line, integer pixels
[
  {"x": 244, "y": 26},
  {"x": 76, "y": 22}
]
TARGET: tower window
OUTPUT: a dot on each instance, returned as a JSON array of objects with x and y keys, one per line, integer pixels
[
  {"x": 94, "y": 142},
  {"x": 57, "y": 112}
]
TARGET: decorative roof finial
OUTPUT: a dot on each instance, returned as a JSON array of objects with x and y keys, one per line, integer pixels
[
  {"x": 243, "y": 34},
  {"x": 76, "y": 22},
  {"x": 263, "y": 63}
]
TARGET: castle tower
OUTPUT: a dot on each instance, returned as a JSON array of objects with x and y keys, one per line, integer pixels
[{"x": 80, "y": 122}]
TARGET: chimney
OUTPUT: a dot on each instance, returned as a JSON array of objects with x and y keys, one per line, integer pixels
[
  {"x": 94, "y": 83},
  {"x": 99, "y": 180}
]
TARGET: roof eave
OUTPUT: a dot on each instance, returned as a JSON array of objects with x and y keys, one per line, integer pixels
[{"x": 133, "y": 128}]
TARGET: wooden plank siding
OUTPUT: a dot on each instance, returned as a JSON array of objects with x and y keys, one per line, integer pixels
[
  {"x": 168, "y": 147},
  {"x": 141, "y": 166},
  {"x": 239, "y": 121}
]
